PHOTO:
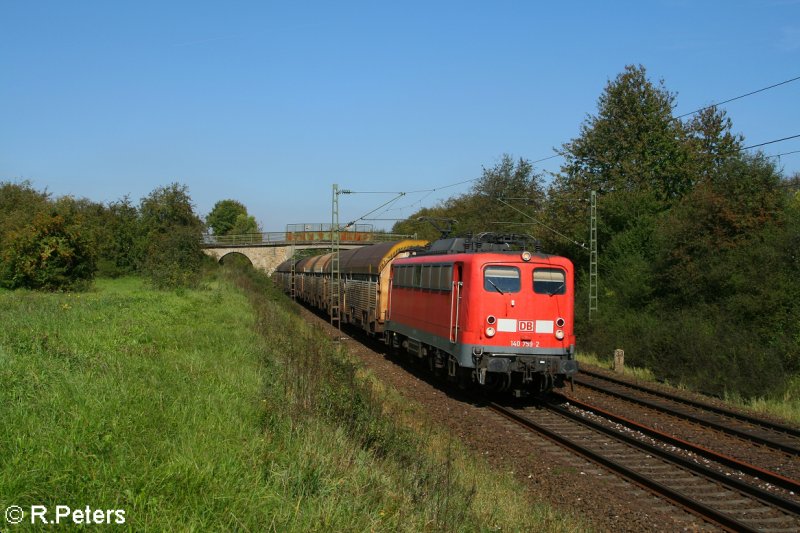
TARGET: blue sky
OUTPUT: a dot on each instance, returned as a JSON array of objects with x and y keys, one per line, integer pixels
[{"x": 270, "y": 103}]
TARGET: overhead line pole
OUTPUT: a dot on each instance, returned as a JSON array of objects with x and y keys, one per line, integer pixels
[
  {"x": 593, "y": 256},
  {"x": 336, "y": 241},
  {"x": 336, "y": 277}
]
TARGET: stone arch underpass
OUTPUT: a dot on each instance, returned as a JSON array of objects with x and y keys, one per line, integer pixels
[
  {"x": 266, "y": 258},
  {"x": 267, "y": 250}
]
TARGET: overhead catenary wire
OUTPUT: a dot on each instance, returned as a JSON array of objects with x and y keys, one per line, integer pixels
[
  {"x": 561, "y": 154},
  {"x": 526, "y": 215},
  {"x": 770, "y": 142},
  {"x": 435, "y": 189},
  {"x": 738, "y": 97},
  {"x": 362, "y": 217},
  {"x": 407, "y": 206},
  {"x": 717, "y": 104}
]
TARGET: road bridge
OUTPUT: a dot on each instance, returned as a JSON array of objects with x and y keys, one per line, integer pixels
[{"x": 267, "y": 250}]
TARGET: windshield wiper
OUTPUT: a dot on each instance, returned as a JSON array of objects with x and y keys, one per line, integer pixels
[
  {"x": 495, "y": 286},
  {"x": 557, "y": 290}
]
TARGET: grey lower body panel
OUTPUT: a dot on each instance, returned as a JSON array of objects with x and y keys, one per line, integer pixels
[{"x": 495, "y": 358}]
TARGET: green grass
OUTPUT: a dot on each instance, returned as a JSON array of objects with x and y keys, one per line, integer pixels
[
  {"x": 628, "y": 370},
  {"x": 784, "y": 406},
  {"x": 126, "y": 398},
  {"x": 204, "y": 410}
]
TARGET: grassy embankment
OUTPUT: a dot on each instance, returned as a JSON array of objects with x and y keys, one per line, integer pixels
[
  {"x": 786, "y": 407},
  {"x": 203, "y": 410}
]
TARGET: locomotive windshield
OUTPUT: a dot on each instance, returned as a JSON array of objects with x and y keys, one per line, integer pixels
[
  {"x": 502, "y": 279},
  {"x": 549, "y": 281}
]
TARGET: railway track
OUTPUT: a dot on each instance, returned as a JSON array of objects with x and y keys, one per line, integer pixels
[
  {"x": 757, "y": 473},
  {"x": 714, "y": 495},
  {"x": 775, "y": 436}
]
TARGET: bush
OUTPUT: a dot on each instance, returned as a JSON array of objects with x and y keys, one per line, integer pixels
[
  {"x": 19, "y": 203},
  {"x": 51, "y": 254},
  {"x": 171, "y": 234},
  {"x": 174, "y": 259}
]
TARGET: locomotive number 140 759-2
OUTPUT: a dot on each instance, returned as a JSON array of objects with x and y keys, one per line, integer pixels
[{"x": 525, "y": 344}]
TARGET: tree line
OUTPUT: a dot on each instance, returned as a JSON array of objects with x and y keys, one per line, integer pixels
[
  {"x": 699, "y": 239},
  {"x": 62, "y": 243}
]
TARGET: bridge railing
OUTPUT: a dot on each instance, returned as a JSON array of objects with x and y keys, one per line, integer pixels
[
  {"x": 298, "y": 238},
  {"x": 245, "y": 239}
]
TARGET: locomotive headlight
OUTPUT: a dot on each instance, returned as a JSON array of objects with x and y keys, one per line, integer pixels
[
  {"x": 490, "y": 331},
  {"x": 491, "y": 319},
  {"x": 560, "y": 334},
  {"x": 560, "y": 322},
  {"x": 526, "y": 256}
]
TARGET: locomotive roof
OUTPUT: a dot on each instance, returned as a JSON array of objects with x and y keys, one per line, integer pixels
[
  {"x": 484, "y": 242},
  {"x": 482, "y": 256}
]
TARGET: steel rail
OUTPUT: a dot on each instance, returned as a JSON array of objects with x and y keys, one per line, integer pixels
[
  {"x": 678, "y": 498},
  {"x": 733, "y": 483},
  {"x": 752, "y": 470},
  {"x": 759, "y": 439}
]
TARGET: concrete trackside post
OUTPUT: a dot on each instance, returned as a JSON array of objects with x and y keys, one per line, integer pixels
[{"x": 619, "y": 360}]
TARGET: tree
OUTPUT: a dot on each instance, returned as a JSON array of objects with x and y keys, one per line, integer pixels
[
  {"x": 90, "y": 216},
  {"x": 170, "y": 252},
  {"x": 500, "y": 201},
  {"x": 711, "y": 142},
  {"x": 699, "y": 262},
  {"x": 117, "y": 254},
  {"x": 229, "y": 217},
  {"x": 167, "y": 207},
  {"x": 244, "y": 224},
  {"x": 174, "y": 259},
  {"x": 703, "y": 239},
  {"x": 632, "y": 153}
]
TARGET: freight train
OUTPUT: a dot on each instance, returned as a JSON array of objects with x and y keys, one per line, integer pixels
[{"x": 482, "y": 310}]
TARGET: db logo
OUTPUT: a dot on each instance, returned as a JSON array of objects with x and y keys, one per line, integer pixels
[{"x": 526, "y": 325}]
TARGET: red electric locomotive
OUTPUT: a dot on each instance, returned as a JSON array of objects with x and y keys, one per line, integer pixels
[{"x": 477, "y": 310}]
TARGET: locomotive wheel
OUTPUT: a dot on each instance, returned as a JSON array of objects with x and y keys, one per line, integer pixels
[
  {"x": 497, "y": 382},
  {"x": 463, "y": 378},
  {"x": 411, "y": 359},
  {"x": 392, "y": 350}
]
